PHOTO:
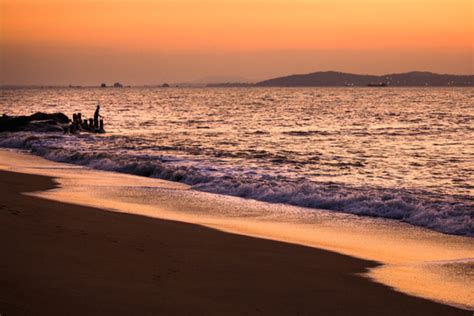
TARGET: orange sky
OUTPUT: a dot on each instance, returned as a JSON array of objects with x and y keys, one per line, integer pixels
[{"x": 238, "y": 35}]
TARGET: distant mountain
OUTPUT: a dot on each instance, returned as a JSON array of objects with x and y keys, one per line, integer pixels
[{"x": 334, "y": 79}]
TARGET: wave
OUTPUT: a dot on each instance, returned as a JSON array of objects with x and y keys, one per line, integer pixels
[{"x": 443, "y": 213}]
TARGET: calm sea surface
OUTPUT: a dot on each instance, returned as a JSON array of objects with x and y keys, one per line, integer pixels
[{"x": 400, "y": 153}]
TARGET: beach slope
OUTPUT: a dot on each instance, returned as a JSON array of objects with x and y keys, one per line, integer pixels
[{"x": 59, "y": 258}]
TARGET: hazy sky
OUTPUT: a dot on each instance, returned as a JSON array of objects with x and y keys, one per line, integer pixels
[{"x": 153, "y": 41}]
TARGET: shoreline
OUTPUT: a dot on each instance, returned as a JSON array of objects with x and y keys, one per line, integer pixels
[
  {"x": 425, "y": 264},
  {"x": 65, "y": 258}
]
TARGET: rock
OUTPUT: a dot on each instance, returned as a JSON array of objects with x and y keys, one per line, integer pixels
[
  {"x": 57, "y": 117},
  {"x": 41, "y": 122}
]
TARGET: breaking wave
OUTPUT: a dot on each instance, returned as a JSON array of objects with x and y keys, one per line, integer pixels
[{"x": 444, "y": 213}]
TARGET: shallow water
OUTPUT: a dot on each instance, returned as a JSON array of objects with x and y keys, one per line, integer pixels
[{"x": 400, "y": 153}]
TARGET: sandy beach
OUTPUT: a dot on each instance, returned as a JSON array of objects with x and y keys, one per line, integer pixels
[
  {"x": 236, "y": 157},
  {"x": 67, "y": 259}
]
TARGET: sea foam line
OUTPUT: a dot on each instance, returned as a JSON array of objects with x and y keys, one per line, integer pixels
[{"x": 441, "y": 213}]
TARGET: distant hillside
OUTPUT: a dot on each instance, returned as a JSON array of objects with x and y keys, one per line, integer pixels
[{"x": 334, "y": 79}]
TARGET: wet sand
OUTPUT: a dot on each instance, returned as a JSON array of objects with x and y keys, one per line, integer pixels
[{"x": 60, "y": 258}]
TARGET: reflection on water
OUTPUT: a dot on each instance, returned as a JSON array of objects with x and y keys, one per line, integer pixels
[
  {"x": 401, "y": 153},
  {"x": 446, "y": 281}
]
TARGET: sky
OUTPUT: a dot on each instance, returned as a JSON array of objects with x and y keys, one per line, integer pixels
[{"x": 86, "y": 42}]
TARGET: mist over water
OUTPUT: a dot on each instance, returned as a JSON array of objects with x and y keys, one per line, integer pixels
[{"x": 401, "y": 153}]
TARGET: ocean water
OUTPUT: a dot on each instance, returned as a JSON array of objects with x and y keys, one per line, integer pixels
[{"x": 398, "y": 153}]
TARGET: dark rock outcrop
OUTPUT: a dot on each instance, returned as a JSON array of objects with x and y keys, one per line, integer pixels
[{"x": 39, "y": 122}]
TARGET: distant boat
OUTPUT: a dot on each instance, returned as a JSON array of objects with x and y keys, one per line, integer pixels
[{"x": 380, "y": 84}]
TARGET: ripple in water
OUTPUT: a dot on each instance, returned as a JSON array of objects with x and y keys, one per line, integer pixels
[{"x": 400, "y": 153}]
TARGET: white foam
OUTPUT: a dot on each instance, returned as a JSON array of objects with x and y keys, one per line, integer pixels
[{"x": 443, "y": 213}]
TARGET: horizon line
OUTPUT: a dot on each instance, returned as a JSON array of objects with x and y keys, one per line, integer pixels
[{"x": 200, "y": 83}]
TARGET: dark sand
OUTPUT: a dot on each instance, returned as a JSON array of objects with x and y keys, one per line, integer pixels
[{"x": 62, "y": 259}]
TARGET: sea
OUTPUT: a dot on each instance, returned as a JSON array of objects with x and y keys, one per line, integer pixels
[{"x": 404, "y": 154}]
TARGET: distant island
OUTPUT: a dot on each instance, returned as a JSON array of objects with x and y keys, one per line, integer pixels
[{"x": 341, "y": 79}]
